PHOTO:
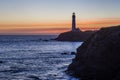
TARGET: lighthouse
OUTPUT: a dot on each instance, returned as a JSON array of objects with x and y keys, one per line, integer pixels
[{"x": 73, "y": 22}]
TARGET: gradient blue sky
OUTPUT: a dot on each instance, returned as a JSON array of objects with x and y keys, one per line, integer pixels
[{"x": 46, "y": 12}]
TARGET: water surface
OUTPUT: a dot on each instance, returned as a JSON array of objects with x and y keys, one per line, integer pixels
[{"x": 31, "y": 58}]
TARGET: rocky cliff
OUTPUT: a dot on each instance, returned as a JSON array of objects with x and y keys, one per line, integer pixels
[
  {"x": 98, "y": 58},
  {"x": 74, "y": 36}
]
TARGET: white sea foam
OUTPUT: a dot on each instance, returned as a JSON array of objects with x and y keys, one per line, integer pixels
[{"x": 32, "y": 60}]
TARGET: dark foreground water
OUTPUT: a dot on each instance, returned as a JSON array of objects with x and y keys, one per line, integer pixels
[{"x": 31, "y": 58}]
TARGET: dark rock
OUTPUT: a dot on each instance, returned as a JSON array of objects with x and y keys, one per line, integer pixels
[
  {"x": 16, "y": 69},
  {"x": 98, "y": 58},
  {"x": 72, "y": 53},
  {"x": 74, "y": 36},
  {"x": 34, "y": 77},
  {"x": 46, "y": 40},
  {"x": 64, "y": 53},
  {"x": 1, "y": 62},
  {"x": 52, "y": 39},
  {"x": 117, "y": 76},
  {"x": 40, "y": 39}
]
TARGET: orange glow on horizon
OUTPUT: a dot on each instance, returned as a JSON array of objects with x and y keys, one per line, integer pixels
[{"x": 55, "y": 28}]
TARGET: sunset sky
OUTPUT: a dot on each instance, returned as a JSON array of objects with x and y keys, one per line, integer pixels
[{"x": 54, "y": 16}]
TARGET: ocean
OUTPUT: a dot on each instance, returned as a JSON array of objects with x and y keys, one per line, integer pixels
[{"x": 35, "y": 57}]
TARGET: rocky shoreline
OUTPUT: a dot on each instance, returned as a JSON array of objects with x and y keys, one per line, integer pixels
[
  {"x": 74, "y": 36},
  {"x": 98, "y": 58}
]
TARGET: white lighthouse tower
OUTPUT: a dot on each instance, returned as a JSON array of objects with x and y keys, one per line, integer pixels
[{"x": 73, "y": 22}]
